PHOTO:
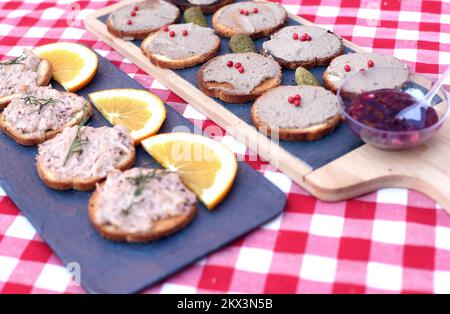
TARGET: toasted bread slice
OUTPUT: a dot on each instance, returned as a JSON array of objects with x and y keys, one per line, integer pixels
[
  {"x": 313, "y": 133},
  {"x": 134, "y": 35},
  {"x": 309, "y": 64},
  {"x": 284, "y": 49},
  {"x": 44, "y": 72},
  {"x": 277, "y": 100},
  {"x": 395, "y": 71},
  {"x": 225, "y": 90},
  {"x": 160, "y": 228},
  {"x": 80, "y": 183},
  {"x": 206, "y": 8},
  {"x": 31, "y": 140},
  {"x": 112, "y": 221},
  {"x": 228, "y": 32},
  {"x": 145, "y": 30},
  {"x": 213, "y": 89},
  {"x": 165, "y": 62},
  {"x": 264, "y": 8}
]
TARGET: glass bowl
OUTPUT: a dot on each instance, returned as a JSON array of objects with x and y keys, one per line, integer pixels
[{"x": 416, "y": 85}]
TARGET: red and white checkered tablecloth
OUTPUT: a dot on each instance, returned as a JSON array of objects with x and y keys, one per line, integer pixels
[{"x": 394, "y": 240}]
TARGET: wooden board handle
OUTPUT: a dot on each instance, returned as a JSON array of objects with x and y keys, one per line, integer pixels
[
  {"x": 425, "y": 168},
  {"x": 336, "y": 185}
]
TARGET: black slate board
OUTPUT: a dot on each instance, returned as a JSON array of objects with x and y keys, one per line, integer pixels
[
  {"x": 61, "y": 218},
  {"x": 316, "y": 154}
]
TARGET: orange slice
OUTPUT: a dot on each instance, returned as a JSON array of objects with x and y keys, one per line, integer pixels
[
  {"x": 206, "y": 167},
  {"x": 73, "y": 65},
  {"x": 140, "y": 111}
]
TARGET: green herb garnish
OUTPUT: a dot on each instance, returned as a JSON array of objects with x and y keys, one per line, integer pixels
[
  {"x": 141, "y": 180},
  {"x": 78, "y": 142},
  {"x": 41, "y": 102},
  {"x": 16, "y": 60}
]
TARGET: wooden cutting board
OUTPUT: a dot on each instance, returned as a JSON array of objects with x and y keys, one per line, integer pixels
[{"x": 335, "y": 168}]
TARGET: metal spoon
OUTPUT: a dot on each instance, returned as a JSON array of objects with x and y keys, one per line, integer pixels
[{"x": 415, "y": 111}]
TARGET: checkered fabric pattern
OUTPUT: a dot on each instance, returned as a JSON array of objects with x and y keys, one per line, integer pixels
[{"x": 394, "y": 240}]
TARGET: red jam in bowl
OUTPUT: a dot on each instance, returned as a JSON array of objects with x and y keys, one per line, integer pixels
[{"x": 378, "y": 109}]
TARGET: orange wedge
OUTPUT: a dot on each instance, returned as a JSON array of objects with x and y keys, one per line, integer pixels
[
  {"x": 140, "y": 111},
  {"x": 206, "y": 167},
  {"x": 73, "y": 65}
]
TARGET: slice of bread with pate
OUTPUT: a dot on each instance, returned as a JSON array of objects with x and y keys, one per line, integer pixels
[
  {"x": 207, "y": 6},
  {"x": 141, "y": 205},
  {"x": 238, "y": 77},
  {"x": 254, "y": 18},
  {"x": 25, "y": 70},
  {"x": 394, "y": 74},
  {"x": 303, "y": 46},
  {"x": 138, "y": 20},
  {"x": 80, "y": 156},
  {"x": 181, "y": 46},
  {"x": 297, "y": 113},
  {"x": 39, "y": 113}
]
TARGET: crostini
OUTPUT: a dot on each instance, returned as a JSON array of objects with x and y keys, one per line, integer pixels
[
  {"x": 238, "y": 77},
  {"x": 303, "y": 46},
  {"x": 394, "y": 74},
  {"x": 141, "y": 205},
  {"x": 39, "y": 113},
  {"x": 181, "y": 46},
  {"x": 80, "y": 156},
  {"x": 27, "y": 69},
  {"x": 254, "y": 18},
  {"x": 297, "y": 113},
  {"x": 138, "y": 20}
]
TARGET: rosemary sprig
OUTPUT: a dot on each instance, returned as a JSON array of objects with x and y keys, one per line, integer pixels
[
  {"x": 141, "y": 180},
  {"x": 16, "y": 60},
  {"x": 41, "y": 102},
  {"x": 78, "y": 142}
]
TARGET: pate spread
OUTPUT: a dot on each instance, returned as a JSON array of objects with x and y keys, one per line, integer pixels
[
  {"x": 151, "y": 15},
  {"x": 102, "y": 150},
  {"x": 268, "y": 15},
  {"x": 14, "y": 77},
  {"x": 256, "y": 70},
  {"x": 41, "y": 109},
  {"x": 202, "y": 2},
  {"x": 133, "y": 200},
  {"x": 323, "y": 44},
  {"x": 317, "y": 106},
  {"x": 188, "y": 40},
  {"x": 394, "y": 73}
]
